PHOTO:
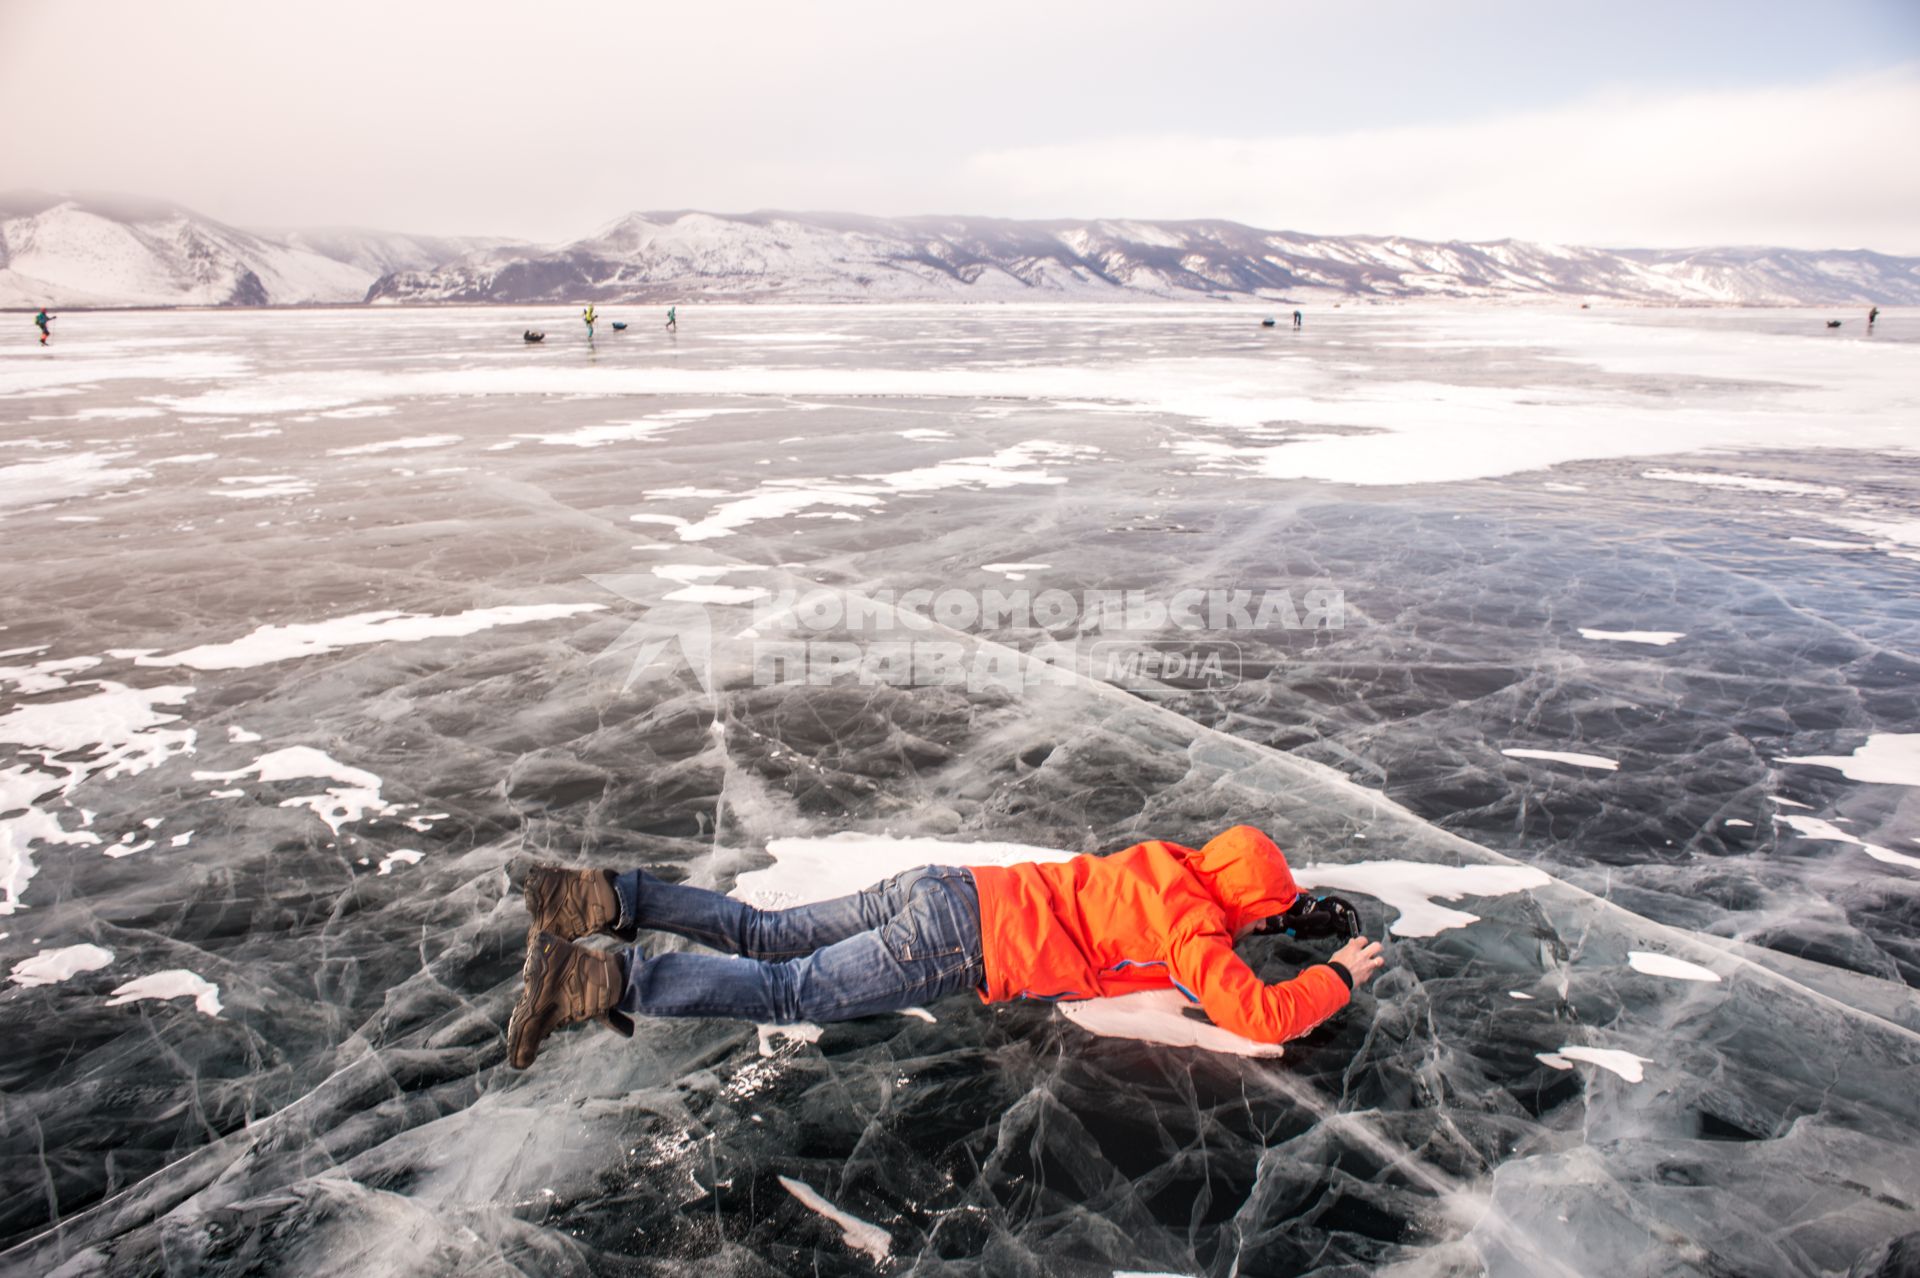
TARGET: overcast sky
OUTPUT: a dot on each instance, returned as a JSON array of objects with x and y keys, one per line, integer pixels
[{"x": 1623, "y": 123}]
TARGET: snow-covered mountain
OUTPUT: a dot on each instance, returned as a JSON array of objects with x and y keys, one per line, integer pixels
[
  {"x": 110, "y": 250},
  {"x": 386, "y": 252},
  {"x": 122, "y": 251},
  {"x": 684, "y": 255}
]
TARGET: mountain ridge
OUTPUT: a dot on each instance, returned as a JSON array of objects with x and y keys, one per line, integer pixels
[{"x": 105, "y": 250}]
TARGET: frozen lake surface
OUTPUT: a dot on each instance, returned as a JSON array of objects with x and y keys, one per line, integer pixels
[{"x": 1594, "y": 687}]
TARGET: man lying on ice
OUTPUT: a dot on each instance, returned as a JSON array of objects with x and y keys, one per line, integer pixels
[{"x": 1153, "y": 916}]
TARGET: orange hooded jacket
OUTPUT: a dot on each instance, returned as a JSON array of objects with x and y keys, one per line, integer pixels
[{"x": 1153, "y": 916}]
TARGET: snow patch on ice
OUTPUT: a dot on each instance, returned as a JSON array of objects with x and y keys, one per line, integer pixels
[
  {"x": 809, "y": 869},
  {"x": 390, "y": 445},
  {"x": 49, "y": 967},
  {"x": 173, "y": 983},
  {"x": 799, "y": 1032},
  {"x": 1625, "y": 1064},
  {"x": 1669, "y": 966},
  {"x": 1888, "y": 758},
  {"x": 1660, "y": 637},
  {"x": 272, "y": 643},
  {"x": 259, "y": 487},
  {"x": 60, "y": 478},
  {"x": 404, "y": 856},
  {"x": 1566, "y": 756},
  {"x": 627, "y": 431},
  {"x": 1019, "y": 464},
  {"x": 1753, "y": 483},
  {"x": 356, "y": 794},
  {"x": 127, "y": 414},
  {"x": 1888, "y": 535},
  {"x": 711, "y": 594},
  {"x": 1159, "y": 1016},
  {"x": 110, "y": 732},
  {"x": 1014, "y": 572},
  {"x": 687, "y": 574},
  {"x": 1826, "y": 832},
  {"x": 858, "y": 1234},
  {"x": 1412, "y": 887},
  {"x": 1823, "y": 543},
  {"x": 44, "y": 676},
  {"x": 772, "y": 503}
]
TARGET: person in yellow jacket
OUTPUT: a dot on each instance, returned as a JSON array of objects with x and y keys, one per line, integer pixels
[{"x": 589, "y": 317}]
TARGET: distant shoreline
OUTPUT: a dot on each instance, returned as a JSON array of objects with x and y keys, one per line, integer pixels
[{"x": 1561, "y": 302}]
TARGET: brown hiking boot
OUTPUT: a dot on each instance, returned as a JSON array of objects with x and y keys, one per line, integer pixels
[
  {"x": 564, "y": 983},
  {"x": 572, "y": 903}
]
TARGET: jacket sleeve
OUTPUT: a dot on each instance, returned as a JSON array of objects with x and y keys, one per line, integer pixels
[{"x": 1240, "y": 1002}]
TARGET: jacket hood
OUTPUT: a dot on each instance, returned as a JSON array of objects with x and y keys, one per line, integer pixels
[{"x": 1247, "y": 873}]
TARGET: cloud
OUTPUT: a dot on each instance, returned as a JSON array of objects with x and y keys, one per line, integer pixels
[{"x": 1821, "y": 166}]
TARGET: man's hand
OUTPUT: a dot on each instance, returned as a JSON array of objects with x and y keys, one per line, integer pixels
[{"x": 1361, "y": 958}]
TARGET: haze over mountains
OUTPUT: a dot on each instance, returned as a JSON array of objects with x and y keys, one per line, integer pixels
[{"x": 121, "y": 251}]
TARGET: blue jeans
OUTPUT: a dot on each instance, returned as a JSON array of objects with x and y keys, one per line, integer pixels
[{"x": 908, "y": 941}]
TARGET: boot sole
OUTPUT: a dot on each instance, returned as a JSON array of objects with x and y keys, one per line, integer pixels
[
  {"x": 527, "y": 1027},
  {"x": 542, "y": 889}
]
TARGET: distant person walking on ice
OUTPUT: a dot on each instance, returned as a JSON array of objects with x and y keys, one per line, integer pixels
[
  {"x": 1299, "y": 320},
  {"x": 43, "y": 319},
  {"x": 589, "y": 317},
  {"x": 673, "y": 325},
  {"x": 1872, "y": 315}
]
